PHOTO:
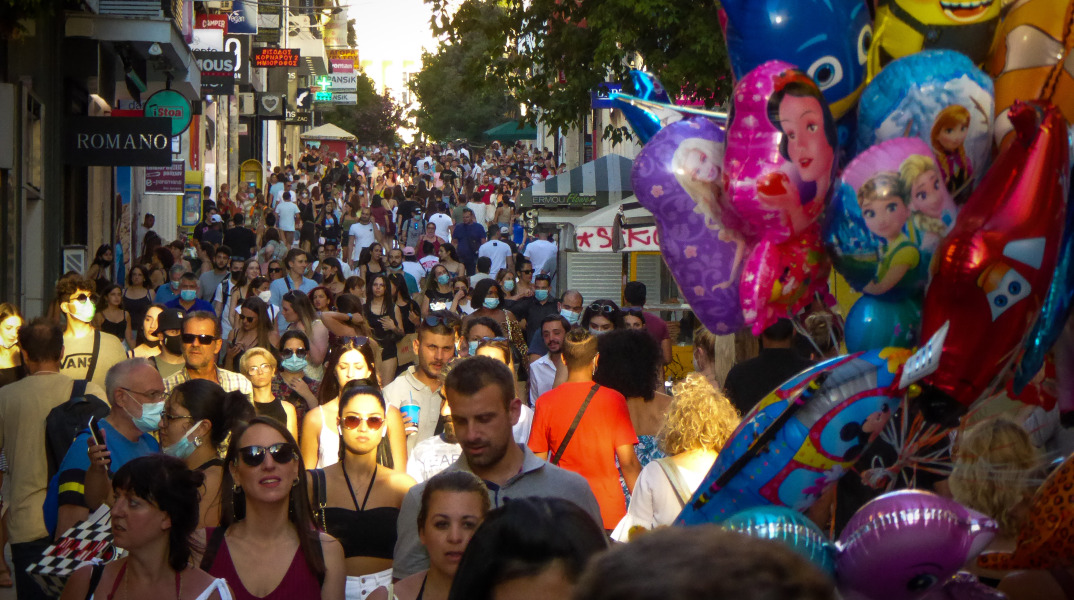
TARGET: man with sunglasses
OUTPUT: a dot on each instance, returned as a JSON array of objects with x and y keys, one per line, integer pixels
[
  {"x": 201, "y": 344},
  {"x": 88, "y": 353},
  {"x": 420, "y": 384},
  {"x": 481, "y": 396},
  {"x": 136, "y": 393}
]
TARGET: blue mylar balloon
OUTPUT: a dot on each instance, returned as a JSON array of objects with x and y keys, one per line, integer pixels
[
  {"x": 875, "y": 322},
  {"x": 644, "y": 122},
  {"x": 790, "y": 527}
]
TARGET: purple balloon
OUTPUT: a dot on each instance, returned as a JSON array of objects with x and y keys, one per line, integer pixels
[
  {"x": 906, "y": 544},
  {"x": 678, "y": 177}
]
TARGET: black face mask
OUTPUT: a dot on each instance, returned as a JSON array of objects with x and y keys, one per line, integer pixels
[
  {"x": 173, "y": 344},
  {"x": 235, "y": 275}
]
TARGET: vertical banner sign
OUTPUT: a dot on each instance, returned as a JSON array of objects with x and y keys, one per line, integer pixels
[
  {"x": 242, "y": 19},
  {"x": 124, "y": 229},
  {"x": 239, "y": 47}
]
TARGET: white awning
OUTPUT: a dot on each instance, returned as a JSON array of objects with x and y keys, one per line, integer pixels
[{"x": 622, "y": 226}]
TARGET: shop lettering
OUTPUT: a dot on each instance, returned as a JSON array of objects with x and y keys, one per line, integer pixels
[
  {"x": 236, "y": 17},
  {"x": 116, "y": 141},
  {"x": 217, "y": 65},
  {"x": 172, "y": 112}
]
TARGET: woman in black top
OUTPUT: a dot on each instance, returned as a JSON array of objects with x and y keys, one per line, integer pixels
[
  {"x": 439, "y": 294},
  {"x": 137, "y": 299},
  {"x": 385, "y": 319},
  {"x": 260, "y": 367},
  {"x": 361, "y": 498},
  {"x": 408, "y": 309}
]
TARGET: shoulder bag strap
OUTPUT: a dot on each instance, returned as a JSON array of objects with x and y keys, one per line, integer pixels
[
  {"x": 212, "y": 546},
  {"x": 95, "y": 579},
  {"x": 79, "y": 388},
  {"x": 320, "y": 491},
  {"x": 93, "y": 356},
  {"x": 675, "y": 479},
  {"x": 574, "y": 425}
]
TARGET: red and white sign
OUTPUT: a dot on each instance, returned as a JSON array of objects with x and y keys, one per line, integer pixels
[
  {"x": 212, "y": 22},
  {"x": 599, "y": 239}
]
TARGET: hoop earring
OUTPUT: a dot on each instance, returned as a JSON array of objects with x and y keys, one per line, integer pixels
[{"x": 197, "y": 441}]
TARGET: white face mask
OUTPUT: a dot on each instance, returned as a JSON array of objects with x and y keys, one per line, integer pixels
[{"x": 265, "y": 295}]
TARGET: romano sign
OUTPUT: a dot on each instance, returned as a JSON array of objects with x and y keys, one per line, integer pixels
[{"x": 118, "y": 141}]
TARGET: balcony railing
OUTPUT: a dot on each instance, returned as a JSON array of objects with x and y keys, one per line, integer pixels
[{"x": 170, "y": 9}]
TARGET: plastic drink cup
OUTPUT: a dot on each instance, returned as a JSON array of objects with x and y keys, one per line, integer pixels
[{"x": 413, "y": 411}]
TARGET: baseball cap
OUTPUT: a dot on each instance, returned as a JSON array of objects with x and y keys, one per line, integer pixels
[
  {"x": 504, "y": 230},
  {"x": 216, "y": 219},
  {"x": 169, "y": 318},
  {"x": 408, "y": 251}
]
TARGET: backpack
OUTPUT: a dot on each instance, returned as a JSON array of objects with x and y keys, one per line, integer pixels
[{"x": 65, "y": 421}]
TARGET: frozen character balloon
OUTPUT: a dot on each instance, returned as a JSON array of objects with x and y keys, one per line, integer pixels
[
  {"x": 678, "y": 177},
  {"x": 931, "y": 206},
  {"x": 905, "y": 544},
  {"x": 1031, "y": 59},
  {"x": 828, "y": 39},
  {"x": 884, "y": 205},
  {"x": 940, "y": 97}
]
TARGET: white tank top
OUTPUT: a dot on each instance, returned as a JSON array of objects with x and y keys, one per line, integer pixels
[{"x": 328, "y": 444}]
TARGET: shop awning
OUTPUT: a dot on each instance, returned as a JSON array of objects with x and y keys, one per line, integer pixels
[
  {"x": 329, "y": 132},
  {"x": 511, "y": 132},
  {"x": 595, "y": 184},
  {"x": 624, "y": 226}
]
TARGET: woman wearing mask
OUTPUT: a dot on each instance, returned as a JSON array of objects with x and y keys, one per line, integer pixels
[
  {"x": 453, "y": 505},
  {"x": 259, "y": 366},
  {"x": 476, "y": 329},
  {"x": 291, "y": 383},
  {"x": 267, "y": 546},
  {"x": 507, "y": 280},
  {"x": 439, "y": 294},
  {"x": 137, "y": 299},
  {"x": 351, "y": 360},
  {"x": 488, "y": 295},
  {"x": 150, "y": 347},
  {"x": 449, "y": 257},
  {"x": 256, "y": 330},
  {"x": 358, "y": 499},
  {"x": 153, "y": 518},
  {"x": 298, "y": 311},
  {"x": 198, "y": 417},
  {"x": 461, "y": 302},
  {"x": 100, "y": 270},
  {"x": 385, "y": 319},
  {"x": 601, "y": 317}
]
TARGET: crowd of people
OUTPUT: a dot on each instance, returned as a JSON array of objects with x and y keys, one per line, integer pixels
[{"x": 363, "y": 382}]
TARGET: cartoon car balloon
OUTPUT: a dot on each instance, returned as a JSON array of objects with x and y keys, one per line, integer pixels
[
  {"x": 800, "y": 439},
  {"x": 677, "y": 176},
  {"x": 995, "y": 267},
  {"x": 941, "y": 97},
  {"x": 902, "y": 545}
]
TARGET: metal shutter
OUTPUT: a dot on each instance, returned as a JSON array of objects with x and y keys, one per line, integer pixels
[
  {"x": 648, "y": 272},
  {"x": 598, "y": 276}
]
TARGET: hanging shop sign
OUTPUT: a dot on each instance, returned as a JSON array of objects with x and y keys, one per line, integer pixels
[
  {"x": 217, "y": 72},
  {"x": 165, "y": 180},
  {"x": 117, "y": 141},
  {"x": 172, "y": 105},
  {"x": 276, "y": 57}
]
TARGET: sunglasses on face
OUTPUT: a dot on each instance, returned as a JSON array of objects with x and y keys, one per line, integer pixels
[
  {"x": 247, "y": 319},
  {"x": 253, "y": 456},
  {"x": 288, "y": 353},
  {"x": 204, "y": 339},
  {"x": 84, "y": 297},
  {"x": 353, "y": 421},
  {"x": 275, "y": 270},
  {"x": 607, "y": 309},
  {"x": 527, "y": 272},
  {"x": 435, "y": 320}
]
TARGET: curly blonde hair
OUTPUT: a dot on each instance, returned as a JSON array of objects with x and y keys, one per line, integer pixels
[
  {"x": 994, "y": 463},
  {"x": 700, "y": 417}
]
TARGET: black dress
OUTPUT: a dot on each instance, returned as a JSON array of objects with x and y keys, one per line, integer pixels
[
  {"x": 137, "y": 309},
  {"x": 386, "y": 340}
]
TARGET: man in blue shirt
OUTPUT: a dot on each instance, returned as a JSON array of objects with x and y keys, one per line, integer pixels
[
  {"x": 296, "y": 262},
  {"x": 136, "y": 392},
  {"x": 468, "y": 237},
  {"x": 188, "y": 300}
]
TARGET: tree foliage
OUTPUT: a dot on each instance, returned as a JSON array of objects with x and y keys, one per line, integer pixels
[
  {"x": 375, "y": 119},
  {"x": 555, "y": 52}
]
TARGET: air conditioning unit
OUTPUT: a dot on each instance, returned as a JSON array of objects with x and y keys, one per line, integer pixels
[{"x": 246, "y": 104}]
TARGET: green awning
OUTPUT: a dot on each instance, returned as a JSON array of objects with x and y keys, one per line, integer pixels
[{"x": 511, "y": 131}]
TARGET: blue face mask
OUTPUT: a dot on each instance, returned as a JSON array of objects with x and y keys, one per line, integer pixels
[
  {"x": 293, "y": 364},
  {"x": 509, "y": 285},
  {"x": 150, "y": 418},
  {"x": 596, "y": 332},
  {"x": 184, "y": 447},
  {"x": 572, "y": 317},
  {"x": 491, "y": 302},
  {"x": 443, "y": 279},
  {"x": 175, "y": 285},
  {"x": 540, "y": 295},
  {"x": 473, "y": 347},
  {"x": 188, "y": 295}
]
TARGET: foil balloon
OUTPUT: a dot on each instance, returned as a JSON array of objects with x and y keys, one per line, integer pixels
[
  {"x": 905, "y": 544},
  {"x": 964, "y": 586},
  {"x": 877, "y": 323},
  {"x": 995, "y": 267},
  {"x": 789, "y": 527},
  {"x": 779, "y": 168},
  {"x": 677, "y": 176},
  {"x": 941, "y": 97},
  {"x": 905, "y": 27},
  {"x": 828, "y": 39},
  {"x": 646, "y": 122},
  {"x": 800, "y": 439},
  {"x": 1031, "y": 59}
]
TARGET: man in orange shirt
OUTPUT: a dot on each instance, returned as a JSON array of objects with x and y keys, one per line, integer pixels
[{"x": 584, "y": 427}]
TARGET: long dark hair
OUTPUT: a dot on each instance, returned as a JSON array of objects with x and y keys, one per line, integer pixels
[
  {"x": 358, "y": 387},
  {"x": 299, "y": 511},
  {"x": 208, "y": 401},
  {"x": 796, "y": 83},
  {"x": 330, "y": 387},
  {"x": 260, "y": 307}
]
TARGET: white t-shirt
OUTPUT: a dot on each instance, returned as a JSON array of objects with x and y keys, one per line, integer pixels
[
  {"x": 654, "y": 501},
  {"x": 479, "y": 212},
  {"x": 539, "y": 252},
  {"x": 362, "y": 236},
  {"x": 287, "y": 212},
  {"x": 415, "y": 270},
  {"x": 431, "y": 456},
  {"x": 443, "y": 225},
  {"x": 498, "y": 252}
]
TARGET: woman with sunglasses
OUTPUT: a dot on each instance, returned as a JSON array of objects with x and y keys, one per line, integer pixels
[
  {"x": 267, "y": 546},
  {"x": 256, "y": 329},
  {"x": 198, "y": 417},
  {"x": 290, "y": 382},
  {"x": 298, "y": 311},
  {"x": 439, "y": 294},
  {"x": 349, "y": 361},
  {"x": 274, "y": 270},
  {"x": 332, "y": 276},
  {"x": 385, "y": 318},
  {"x": 601, "y": 317},
  {"x": 361, "y": 497},
  {"x": 154, "y": 516},
  {"x": 525, "y": 276},
  {"x": 453, "y": 505},
  {"x": 449, "y": 257},
  {"x": 251, "y": 272},
  {"x": 461, "y": 303}
]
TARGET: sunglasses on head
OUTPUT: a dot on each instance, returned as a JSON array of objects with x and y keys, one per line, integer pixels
[
  {"x": 288, "y": 353},
  {"x": 253, "y": 456},
  {"x": 84, "y": 297},
  {"x": 435, "y": 320},
  {"x": 607, "y": 309},
  {"x": 203, "y": 339},
  {"x": 353, "y": 421}
]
